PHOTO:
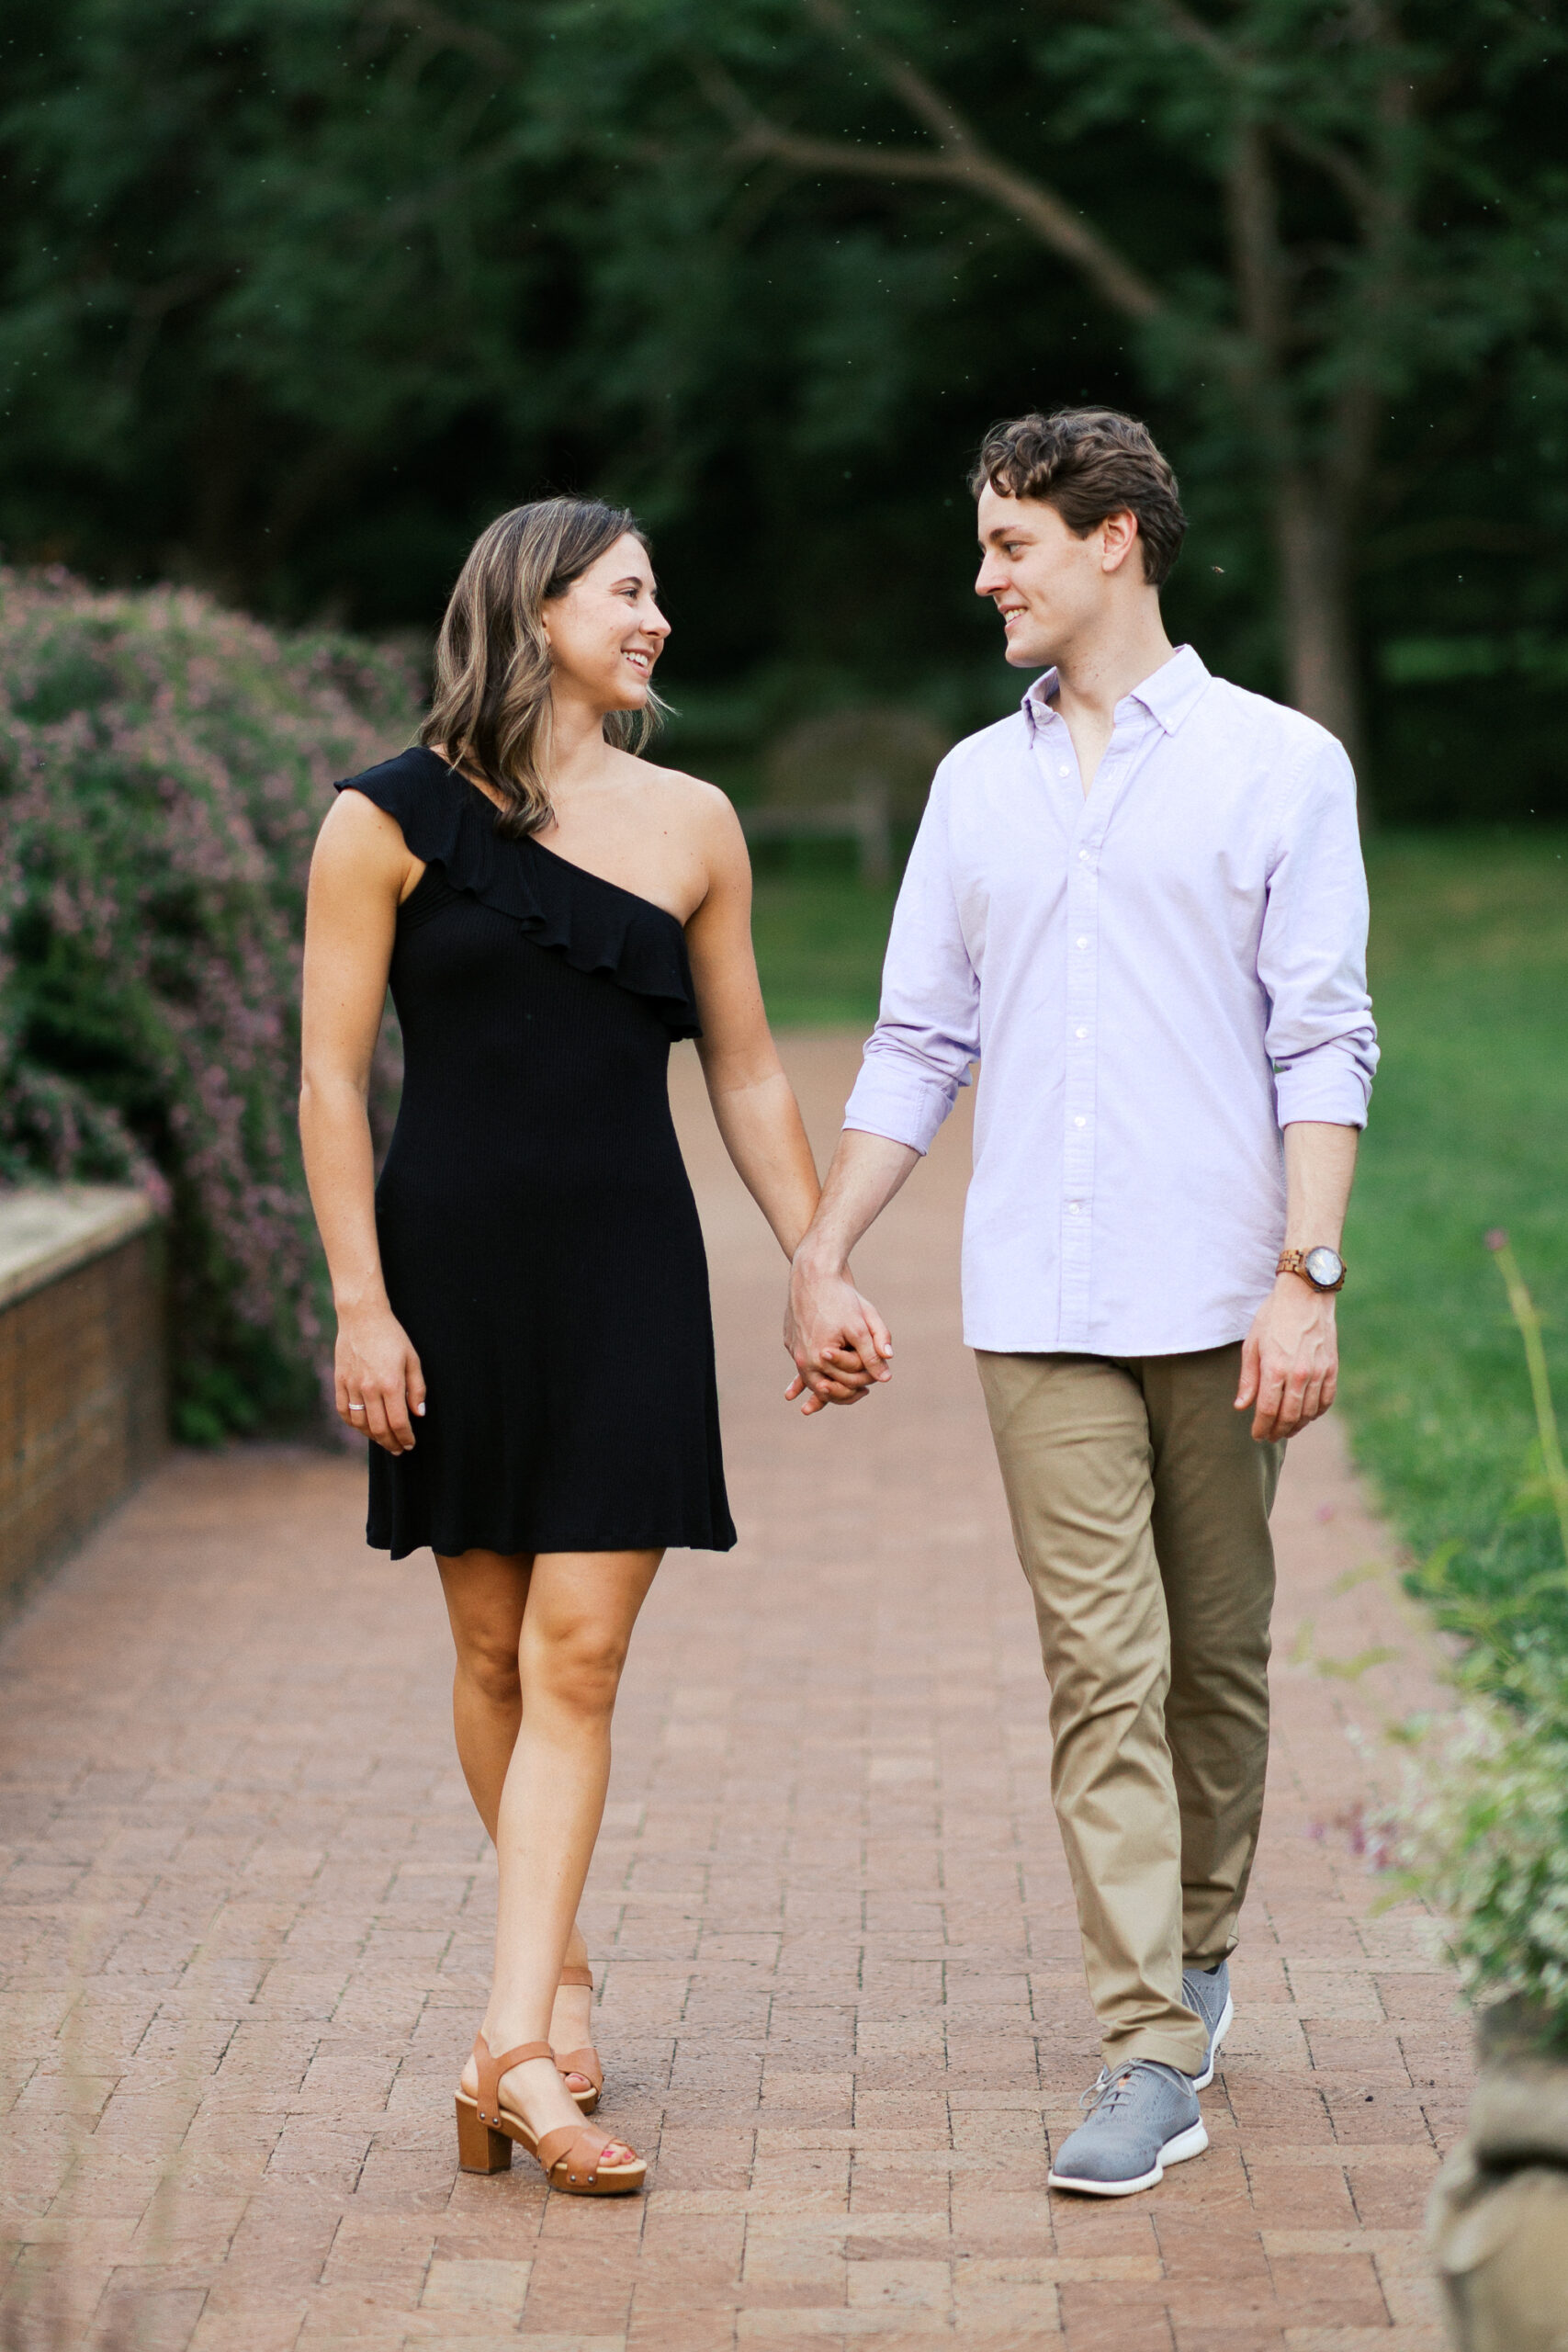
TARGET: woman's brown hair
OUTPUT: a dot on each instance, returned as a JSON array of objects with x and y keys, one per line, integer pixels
[{"x": 490, "y": 708}]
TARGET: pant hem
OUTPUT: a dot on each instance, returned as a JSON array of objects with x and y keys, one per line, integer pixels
[{"x": 1166, "y": 2049}]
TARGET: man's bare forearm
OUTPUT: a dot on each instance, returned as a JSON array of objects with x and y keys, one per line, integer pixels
[
  {"x": 866, "y": 1172},
  {"x": 837, "y": 1339},
  {"x": 1290, "y": 1359},
  {"x": 1320, "y": 1164}
]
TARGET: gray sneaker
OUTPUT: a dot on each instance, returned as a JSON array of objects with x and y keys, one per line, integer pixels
[
  {"x": 1141, "y": 2118},
  {"x": 1208, "y": 1992}
]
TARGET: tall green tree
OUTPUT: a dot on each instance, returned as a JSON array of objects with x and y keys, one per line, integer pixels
[
  {"x": 294, "y": 293},
  {"x": 257, "y": 255},
  {"x": 1313, "y": 218}
]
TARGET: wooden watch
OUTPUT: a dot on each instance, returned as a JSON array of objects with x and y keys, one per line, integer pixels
[{"x": 1323, "y": 1268}]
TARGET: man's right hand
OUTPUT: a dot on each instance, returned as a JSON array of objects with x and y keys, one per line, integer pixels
[{"x": 839, "y": 1343}]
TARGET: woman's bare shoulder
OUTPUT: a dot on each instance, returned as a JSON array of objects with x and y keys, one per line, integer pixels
[
  {"x": 704, "y": 805},
  {"x": 357, "y": 839}
]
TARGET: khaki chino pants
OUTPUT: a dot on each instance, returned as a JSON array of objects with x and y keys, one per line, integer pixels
[{"x": 1140, "y": 1508}]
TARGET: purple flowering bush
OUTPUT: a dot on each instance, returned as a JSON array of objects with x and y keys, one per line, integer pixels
[{"x": 163, "y": 767}]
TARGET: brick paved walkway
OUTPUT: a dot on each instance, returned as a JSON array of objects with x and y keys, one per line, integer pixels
[{"x": 247, "y": 1915}]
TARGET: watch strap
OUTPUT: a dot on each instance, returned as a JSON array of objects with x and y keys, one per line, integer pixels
[{"x": 1293, "y": 1261}]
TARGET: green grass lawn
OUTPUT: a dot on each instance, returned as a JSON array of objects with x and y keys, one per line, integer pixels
[
  {"x": 820, "y": 936},
  {"x": 1468, "y": 1131}
]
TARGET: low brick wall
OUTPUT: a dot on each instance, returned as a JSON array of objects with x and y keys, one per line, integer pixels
[{"x": 83, "y": 1411}]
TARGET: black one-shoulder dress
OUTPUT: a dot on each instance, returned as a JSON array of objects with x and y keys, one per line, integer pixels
[{"x": 539, "y": 1236}]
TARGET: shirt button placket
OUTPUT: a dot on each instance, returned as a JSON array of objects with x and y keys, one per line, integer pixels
[{"x": 1078, "y": 1094}]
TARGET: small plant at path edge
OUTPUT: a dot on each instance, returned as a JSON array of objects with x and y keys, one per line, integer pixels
[{"x": 1484, "y": 1836}]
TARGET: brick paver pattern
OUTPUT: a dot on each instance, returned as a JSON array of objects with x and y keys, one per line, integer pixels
[{"x": 248, "y": 1909}]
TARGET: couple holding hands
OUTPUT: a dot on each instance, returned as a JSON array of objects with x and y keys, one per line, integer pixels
[{"x": 1138, "y": 903}]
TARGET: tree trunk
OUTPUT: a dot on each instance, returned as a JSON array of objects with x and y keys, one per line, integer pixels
[
  {"x": 1316, "y": 607},
  {"x": 1307, "y": 506}
]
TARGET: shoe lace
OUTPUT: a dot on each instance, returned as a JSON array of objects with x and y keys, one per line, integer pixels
[{"x": 1104, "y": 2095}]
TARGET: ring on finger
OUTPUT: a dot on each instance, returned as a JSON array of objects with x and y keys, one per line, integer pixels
[{"x": 357, "y": 1408}]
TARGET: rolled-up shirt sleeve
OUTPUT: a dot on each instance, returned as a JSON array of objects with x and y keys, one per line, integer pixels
[
  {"x": 928, "y": 1031},
  {"x": 1311, "y": 954}
]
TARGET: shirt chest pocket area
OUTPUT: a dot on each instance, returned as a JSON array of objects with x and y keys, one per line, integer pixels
[{"x": 1014, "y": 902}]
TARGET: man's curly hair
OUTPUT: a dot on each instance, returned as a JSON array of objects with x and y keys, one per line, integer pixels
[{"x": 1089, "y": 463}]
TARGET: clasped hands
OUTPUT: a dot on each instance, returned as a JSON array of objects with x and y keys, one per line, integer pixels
[
  {"x": 838, "y": 1342},
  {"x": 842, "y": 1349}
]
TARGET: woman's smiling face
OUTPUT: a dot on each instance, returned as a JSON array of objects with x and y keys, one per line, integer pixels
[{"x": 606, "y": 632}]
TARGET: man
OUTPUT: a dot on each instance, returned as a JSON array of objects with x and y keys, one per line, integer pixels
[{"x": 1139, "y": 903}]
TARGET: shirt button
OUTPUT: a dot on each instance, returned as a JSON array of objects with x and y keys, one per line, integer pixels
[
  {"x": 1078, "y": 1123},
  {"x": 1062, "y": 771},
  {"x": 1083, "y": 857},
  {"x": 1072, "y": 1208},
  {"x": 1080, "y": 1033},
  {"x": 1083, "y": 943}
]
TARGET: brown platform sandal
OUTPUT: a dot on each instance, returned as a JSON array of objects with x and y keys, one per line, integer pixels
[
  {"x": 584, "y": 2061},
  {"x": 570, "y": 2159}
]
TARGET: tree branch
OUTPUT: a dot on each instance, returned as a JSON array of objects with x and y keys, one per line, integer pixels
[
  {"x": 1343, "y": 170},
  {"x": 1332, "y": 161},
  {"x": 444, "y": 29},
  {"x": 1385, "y": 230},
  {"x": 1193, "y": 30},
  {"x": 960, "y": 159},
  {"x": 1259, "y": 262}
]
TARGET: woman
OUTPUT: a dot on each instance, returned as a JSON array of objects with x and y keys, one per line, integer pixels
[{"x": 523, "y": 1328}]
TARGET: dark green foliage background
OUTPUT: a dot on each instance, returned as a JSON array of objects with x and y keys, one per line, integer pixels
[{"x": 294, "y": 296}]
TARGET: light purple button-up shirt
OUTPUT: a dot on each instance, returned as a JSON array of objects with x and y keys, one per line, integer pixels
[{"x": 1156, "y": 978}]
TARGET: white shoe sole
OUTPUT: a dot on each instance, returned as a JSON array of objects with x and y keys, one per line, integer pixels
[
  {"x": 1201, "y": 2082},
  {"x": 1190, "y": 2142}
]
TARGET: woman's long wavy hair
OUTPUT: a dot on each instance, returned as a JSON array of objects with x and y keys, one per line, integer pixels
[{"x": 490, "y": 708}]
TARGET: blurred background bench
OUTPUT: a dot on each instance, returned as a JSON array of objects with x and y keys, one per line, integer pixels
[{"x": 859, "y": 775}]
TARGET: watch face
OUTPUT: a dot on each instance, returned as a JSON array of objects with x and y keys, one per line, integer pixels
[{"x": 1324, "y": 1267}]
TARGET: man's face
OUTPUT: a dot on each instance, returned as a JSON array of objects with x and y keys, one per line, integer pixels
[{"x": 1048, "y": 584}]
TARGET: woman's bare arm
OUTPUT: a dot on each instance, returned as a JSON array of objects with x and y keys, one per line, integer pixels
[
  {"x": 360, "y": 871},
  {"x": 753, "y": 1102}
]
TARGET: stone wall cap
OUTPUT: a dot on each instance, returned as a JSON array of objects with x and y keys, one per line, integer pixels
[
  {"x": 1520, "y": 2112},
  {"x": 47, "y": 1230}
]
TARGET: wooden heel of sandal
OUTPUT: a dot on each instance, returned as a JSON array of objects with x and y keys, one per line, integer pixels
[
  {"x": 571, "y": 2161},
  {"x": 479, "y": 2148}
]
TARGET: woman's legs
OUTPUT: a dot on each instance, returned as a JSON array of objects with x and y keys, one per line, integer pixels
[
  {"x": 486, "y": 1594},
  {"x": 578, "y": 1613}
]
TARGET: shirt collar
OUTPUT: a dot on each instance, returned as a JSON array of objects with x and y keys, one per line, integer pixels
[{"x": 1167, "y": 694}]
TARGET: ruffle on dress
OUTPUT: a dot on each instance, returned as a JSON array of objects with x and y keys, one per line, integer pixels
[{"x": 449, "y": 823}]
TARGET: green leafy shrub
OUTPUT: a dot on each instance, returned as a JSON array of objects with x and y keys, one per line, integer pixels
[
  {"x": 1482, "y": 1832},
  {"x": 163, "y": 767},
  {"x": 1483, "y": 1837}
]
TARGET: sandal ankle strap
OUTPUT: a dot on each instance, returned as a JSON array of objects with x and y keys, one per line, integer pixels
[
  {"x": 577, "y": 1975},
  {"x": 490, "y": 2069}
]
